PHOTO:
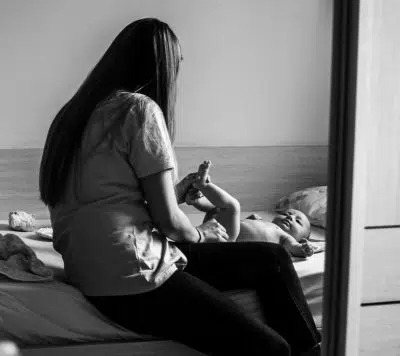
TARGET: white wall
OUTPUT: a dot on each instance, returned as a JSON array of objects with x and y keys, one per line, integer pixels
[{"x": 256, "y": 72}]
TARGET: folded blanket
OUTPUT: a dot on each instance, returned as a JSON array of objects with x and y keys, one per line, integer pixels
[{"x": 19, "y": 262}]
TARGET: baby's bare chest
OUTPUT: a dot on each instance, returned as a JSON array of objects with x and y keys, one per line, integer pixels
[
  {"x": 259, "y": 230},
  {"x": 273, "y": 233}
]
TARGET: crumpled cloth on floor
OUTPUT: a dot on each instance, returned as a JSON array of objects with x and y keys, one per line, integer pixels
[{"x": 19, "y": 262}]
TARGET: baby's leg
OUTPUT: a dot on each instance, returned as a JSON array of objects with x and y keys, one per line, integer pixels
[
  {"x": 195, "y": 198},
  {"x": 227, "y": 208}
]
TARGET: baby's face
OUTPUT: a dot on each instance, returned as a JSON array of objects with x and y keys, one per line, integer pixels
[{"x": 294, "y": 222}]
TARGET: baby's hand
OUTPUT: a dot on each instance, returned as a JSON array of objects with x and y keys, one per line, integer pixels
[
  {"x": 307, "y": 248},
  {"x": 303, "y": 249}
]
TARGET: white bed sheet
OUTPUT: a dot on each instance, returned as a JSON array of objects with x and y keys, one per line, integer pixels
[{"x": 54, "y": 312}]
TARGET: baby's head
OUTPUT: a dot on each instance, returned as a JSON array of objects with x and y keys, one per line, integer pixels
[{"x": 294, "y": 222}]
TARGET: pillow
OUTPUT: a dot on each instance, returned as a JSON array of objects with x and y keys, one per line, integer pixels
[{"x": 311, "y": 201}]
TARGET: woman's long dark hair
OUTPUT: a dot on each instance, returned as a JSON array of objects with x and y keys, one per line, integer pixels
[{"x": 143, "y": 58}]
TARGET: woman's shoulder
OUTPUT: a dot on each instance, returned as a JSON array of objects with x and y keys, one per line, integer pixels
[
  {"x": 138, "y": 103},
  {"x": 134, "y": 98},
  {"x": 140, "y": 107},
  {"x": 128, "y": 107}
]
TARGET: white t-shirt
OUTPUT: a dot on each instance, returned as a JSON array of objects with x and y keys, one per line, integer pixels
[{"x": 105, "y": 235}]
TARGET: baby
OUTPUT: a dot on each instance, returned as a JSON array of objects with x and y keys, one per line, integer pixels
[{"x": 289, "y": 228}]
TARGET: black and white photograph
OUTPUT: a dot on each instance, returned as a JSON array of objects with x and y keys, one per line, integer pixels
[{"x": 188, "y": 178}]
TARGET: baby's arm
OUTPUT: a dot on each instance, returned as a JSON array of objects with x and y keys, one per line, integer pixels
[
  {"x": 258, "y": 230},
  {"x": 297, "y": 249}
]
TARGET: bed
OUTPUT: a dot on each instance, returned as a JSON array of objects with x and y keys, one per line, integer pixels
[
  {"x": 49, "y": 318},
  {"x": 55, "y": 313}
]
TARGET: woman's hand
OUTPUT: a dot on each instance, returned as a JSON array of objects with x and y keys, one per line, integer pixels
[
  {"x": 182, "y": 188},
  {"x": 192, "y": 196},
  {"x": 212, "y": 231}
]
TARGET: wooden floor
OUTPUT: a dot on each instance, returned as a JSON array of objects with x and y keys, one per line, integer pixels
[{"x": 380, "y": 330}]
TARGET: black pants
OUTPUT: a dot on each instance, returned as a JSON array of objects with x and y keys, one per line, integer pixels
[{"x": 191, "y": 308}]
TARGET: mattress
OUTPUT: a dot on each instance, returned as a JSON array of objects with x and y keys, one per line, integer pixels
[{"x": 55, "y": 313}]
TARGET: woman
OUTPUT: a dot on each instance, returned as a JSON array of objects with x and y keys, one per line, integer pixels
[{"x": 107, "y": 176}]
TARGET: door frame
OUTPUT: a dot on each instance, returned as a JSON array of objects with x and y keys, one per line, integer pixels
[{"x": 347, "y": 187}]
